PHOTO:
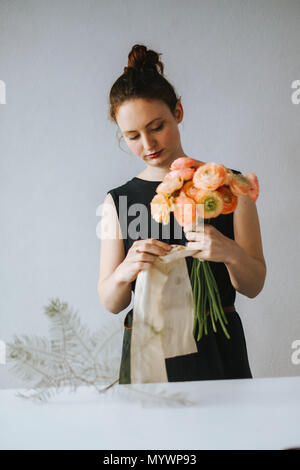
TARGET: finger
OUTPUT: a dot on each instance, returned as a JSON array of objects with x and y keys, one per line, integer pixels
[
  {"x": 198, "y": 255},
  {"x": 161, "y": 244},
  {"x": 194, "y": 246},
  {"x": 147, "y": 257},
  {"x": 156, "y": 248},
  {"x": 195, "y": 236},
  {"x": 151, "y": 250},
  {"x": 152, "y": 241},
  {"x": 191, "y": 235},
  {"x": 142, "y": 265}
]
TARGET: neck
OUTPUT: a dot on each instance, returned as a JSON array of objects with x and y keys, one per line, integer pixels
[{"x": 151, "y": 173}]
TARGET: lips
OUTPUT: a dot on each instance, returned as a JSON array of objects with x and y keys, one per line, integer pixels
[{"x": 154, "y": 155}]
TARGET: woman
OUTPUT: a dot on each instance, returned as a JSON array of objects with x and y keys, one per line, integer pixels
[{"x": 146, "y": 109}]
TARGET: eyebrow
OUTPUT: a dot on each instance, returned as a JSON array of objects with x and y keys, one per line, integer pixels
[{"x": 128, "y": 132}]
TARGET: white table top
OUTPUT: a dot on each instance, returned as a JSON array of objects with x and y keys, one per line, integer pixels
[{"x": 230, "y": 414}]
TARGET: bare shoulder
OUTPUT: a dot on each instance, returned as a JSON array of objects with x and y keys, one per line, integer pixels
[{"x": 247, "y": 231}]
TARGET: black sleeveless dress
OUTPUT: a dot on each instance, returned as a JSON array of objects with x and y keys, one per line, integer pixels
[{"x": 217, "y": 356}]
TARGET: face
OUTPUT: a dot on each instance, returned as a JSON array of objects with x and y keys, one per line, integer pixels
[{"x": 148, "y": 126}]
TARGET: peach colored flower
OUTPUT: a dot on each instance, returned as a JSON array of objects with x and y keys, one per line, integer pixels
[
  {"x": 184, "y": 162},
  {"x": 170, "y": 186},
  {"x": 185, "y": 173},
  {"x": 210, "y": 203},
  {"x": 239, "y": 185},
  {"x": 229, "y": 174},
  {"x": 230, "y": 201},
  {"x": 184, "y": 210},
  {"x": 189, "y": 189},
  {"x": 210, "y": 176},
  {"x": 161, "y": 208},
  {"x": 254, "y": 186}
]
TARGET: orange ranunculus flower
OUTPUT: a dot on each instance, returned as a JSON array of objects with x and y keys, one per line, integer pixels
[
  {"x": 254, "y": 186},
  {"x": 185, "y": 173},
  {"x": 185, "y": 210},
  {"x": 239, "y": 185},
  {"x": 229, "y": 174},
  {"x": 210, "y": 176},
  {"x": 171, "y": 185},
  {"x": 210, "y": 203},
  {"x": 184, "y": 162},
  {"x": 161, "y": 208},
  {"x": 230, "y": 200},
  {"x": 189, "y": 189}
]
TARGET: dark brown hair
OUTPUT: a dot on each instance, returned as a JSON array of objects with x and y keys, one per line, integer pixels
[{"x": 143, "y": 77}]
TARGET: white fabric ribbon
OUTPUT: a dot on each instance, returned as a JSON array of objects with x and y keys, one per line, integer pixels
[{"x": 163, "y": 316}]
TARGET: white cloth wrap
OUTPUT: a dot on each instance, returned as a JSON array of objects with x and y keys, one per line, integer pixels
[{"x": 163, "y": 316}]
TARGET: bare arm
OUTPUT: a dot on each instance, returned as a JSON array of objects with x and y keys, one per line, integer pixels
[
  {"x": 117, "y": 271},
  {"x": 247, "y": 267},
  {"x": 114, "y": 293}
]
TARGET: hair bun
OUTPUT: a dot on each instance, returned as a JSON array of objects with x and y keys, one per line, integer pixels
[{"x": 141, "y": 60}]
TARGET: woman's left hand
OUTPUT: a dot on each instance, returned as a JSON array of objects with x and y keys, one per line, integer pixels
[{"x": 212, "y": 244}]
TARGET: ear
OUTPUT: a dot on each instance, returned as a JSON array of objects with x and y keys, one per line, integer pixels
[{"x": 179, "y": 111}]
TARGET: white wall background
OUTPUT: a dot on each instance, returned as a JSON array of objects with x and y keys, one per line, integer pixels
[{"x": 232, "y": 62}]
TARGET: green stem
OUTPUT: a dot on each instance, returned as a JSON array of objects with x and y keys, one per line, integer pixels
[
  {"x": 211, "y": 312},
  {"x": 195, "y": 292},
  {"x": 214, "y": 301},
  {"x": 205, "y": 323},
  {"x": 200, "y": 295},
  {"x": 218, "y": 294},
  {"x": 205, "y": 290},
  {"x": 203, "y": 302},
  {"x": 212, "y": 282}
]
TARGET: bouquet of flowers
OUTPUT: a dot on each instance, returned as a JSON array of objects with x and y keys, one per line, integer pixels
[{"x": 191, "y": 190}]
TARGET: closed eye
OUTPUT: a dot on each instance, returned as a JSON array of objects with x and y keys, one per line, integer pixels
[{"x": 154, "y": 130}]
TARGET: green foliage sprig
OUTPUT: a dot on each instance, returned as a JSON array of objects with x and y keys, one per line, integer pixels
[{"x": 73, "y": 357}]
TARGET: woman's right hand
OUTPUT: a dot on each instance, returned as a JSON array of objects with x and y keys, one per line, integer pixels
[{"x": 140, "y": 256}]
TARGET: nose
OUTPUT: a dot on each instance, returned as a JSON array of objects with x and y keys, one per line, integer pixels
[{"x": 149, "y": 143}]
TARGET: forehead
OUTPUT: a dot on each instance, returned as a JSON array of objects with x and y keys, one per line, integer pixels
[{"x": 136, "y": 114}]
